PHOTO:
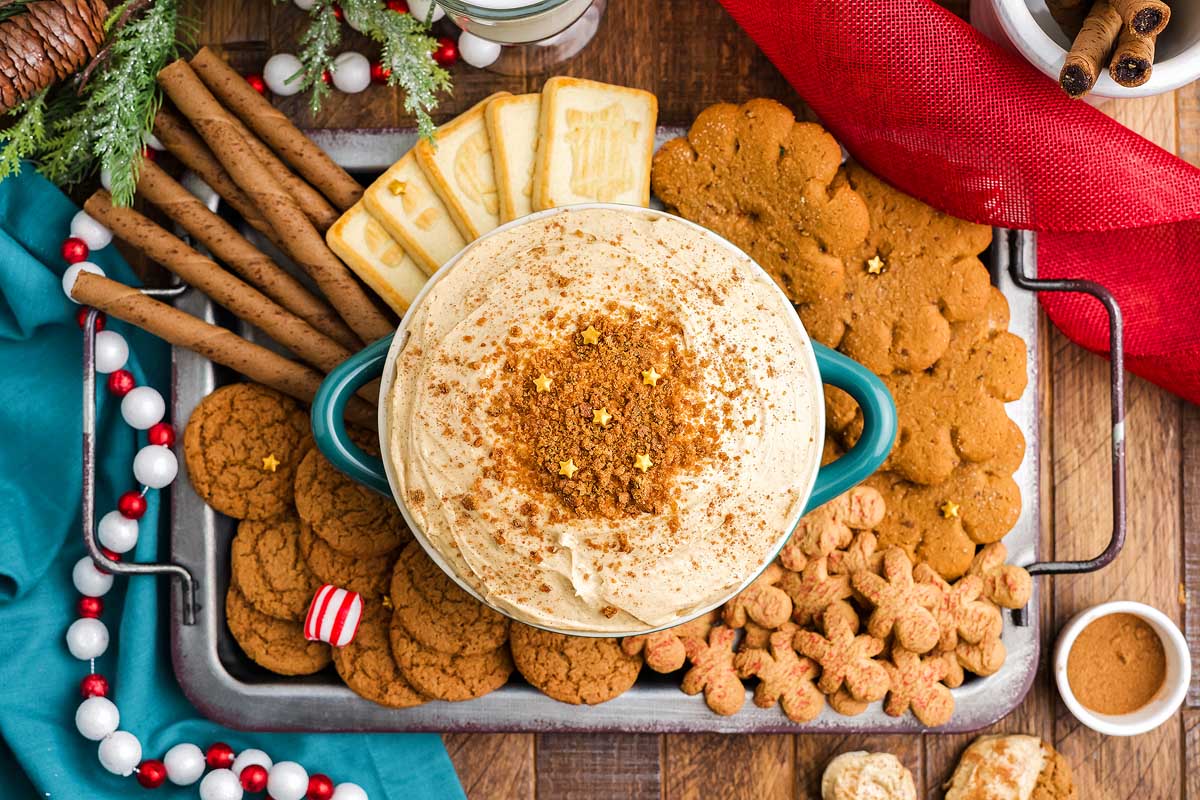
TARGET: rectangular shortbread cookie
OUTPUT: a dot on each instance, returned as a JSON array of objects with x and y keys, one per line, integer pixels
[
  {"x": 512, "y": 124},
  {"x": 358, "y": 239},
  {"x": 405, "y": 204}
]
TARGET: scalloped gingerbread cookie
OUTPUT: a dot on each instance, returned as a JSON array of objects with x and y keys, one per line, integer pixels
[
  {"x": 665, "y": 651},
  {"x": 831, "y": 527}
]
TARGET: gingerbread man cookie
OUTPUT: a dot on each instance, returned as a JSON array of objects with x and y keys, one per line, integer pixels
[
  {"x": 916, "y": 683},
  {"x": 713, "y": 672},
  {"x": 901, "y": 605},
  {"x": 784, "y": 677},
  {"x": 813, "y": 590},
  {"x": 1006, "y": 585},
  {"x": 664, "y": 651},
  {"x": 983, "y": 658},
  {"x": 959, "y": 612},
  {"x": 862, "y": 555},
  {"x": 762, "y": 601},
  {"x": 831, "y": 527},
  {"x": 845, "y": 659}
]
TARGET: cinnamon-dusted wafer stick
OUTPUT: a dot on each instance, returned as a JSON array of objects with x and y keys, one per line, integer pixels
[
  {"x": 300, "y": 239},
  {"x": 1069, "y": 14},
  {"x": 223, "y": 241},
  {"x": 276, "y": 130},
  {"x": 1144, "y": 17},
  {"x": 1090, "y": 50},
  {"x": 249, "y": 304},
  {"x": 193, "y": 153},
  {"x": 214, "y": 343},
  {"x": 1133, "y": 60}
]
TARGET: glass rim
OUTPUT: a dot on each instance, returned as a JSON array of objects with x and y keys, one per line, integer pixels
[{"x": 493, "y": 10}]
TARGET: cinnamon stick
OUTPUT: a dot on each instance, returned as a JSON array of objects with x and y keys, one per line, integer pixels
[
  {"x": 249, "y": 304},
  {"x": 276, "y": 130},
  {"x": 300, "y": 239},
  {"x": 1090, "y": 50},
  {"x": 1133, "y": 60},
  {"x": 225, "y": 243},
  {"x": 214, "y": 343},
  {"x": 1144, "y": 17}
]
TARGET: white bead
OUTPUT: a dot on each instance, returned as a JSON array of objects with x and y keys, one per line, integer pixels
[
  {"x": 117, "y": 532},
  {"x": 112, "y": 351},
  {"x": 278, "y": 69},
  {"x": 351, "y": 72},
  {"x": 251, "y": 756},
  {"x": 72, "y": 272},
  {"x": 87, "y": 638},
  {"x": 120, "y": 752},
  {"x": 106, "y": 179},
  {"x": 88, "y": 578},
  {"x": 220, "y": 784},
  {"x": 304, "y": 5},
  {"x": 143, "y": 408},
  {"x": 348, "y": 791},
  {"x": 287, "y": 780},
  {"x": 420, "y": 10},
  {"x": 97, "y": 717},
  {"x": 184, "y": 764},
  {"x": 155, "y": 466},
  {"x": 477, "y": 51},
  {"x": 353, "y": 21},
  {"x": 94, "y": 235}
]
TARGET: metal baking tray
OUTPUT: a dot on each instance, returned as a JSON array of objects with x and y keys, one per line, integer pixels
[{"x": 228, "y": 688}]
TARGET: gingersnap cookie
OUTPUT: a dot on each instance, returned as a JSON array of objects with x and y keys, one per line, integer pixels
[
  {"x": 242, "y": 446},
  {"x": 275, "y": 644},
  {"x": 269, "y": 569},
  {"x": 442, "y": 676},
  {"x": 366, "y": 664},
  {"x": 436, "y": 612},
  {"x": 573, "y": 669},
  {"x": 347, "y": 515},
  {"x": 369, "y": 577}
]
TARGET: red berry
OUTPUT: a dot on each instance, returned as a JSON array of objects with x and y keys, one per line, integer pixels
[
  {"x": 327, "y": 77},
  {"x": 74, "y": 250},
  {"x": 81, "y": 318},
  {"x": 149, "y": 153},
  {"x": 254, "y": 778},
  {"x": 151, "y": 773},
  {"x": 93, "y": 685},
  {"x": 320, "y": 787},
  {"x": 399, "y": 6},
  {"x": 90, "y": 607},
  {"x": 219, "y": 756},
  {"x": 257, "y": 83},
  {"x": 446, "y": 53},
  {"x": 161, "y": 433},
  {"x": 379, "y": 73},
  {"x": 121, "y": 382},
  {"x": 132, "y": 505},
  {"x": 337, "y": 12}
]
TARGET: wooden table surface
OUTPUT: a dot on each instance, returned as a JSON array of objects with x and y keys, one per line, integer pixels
[{"x": 691, "y": 54}]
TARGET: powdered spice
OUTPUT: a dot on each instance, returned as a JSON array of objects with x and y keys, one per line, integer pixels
[{"x": 1117, "y": 664}]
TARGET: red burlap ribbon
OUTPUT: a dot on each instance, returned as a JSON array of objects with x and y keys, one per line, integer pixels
[{"x": 941, "y": 112}]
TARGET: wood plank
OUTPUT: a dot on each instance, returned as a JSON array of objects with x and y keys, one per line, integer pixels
[
  {"x": 493, "y": 766},
  {"x": 1191, "y": 542},
  {"x": 1187, "y": 107},
  {"x": 704, "y": 766},
  {"x": 813, "y": 753},
  {"x": 580, "y": 766},
  {"x": 1191, "y": 754}
]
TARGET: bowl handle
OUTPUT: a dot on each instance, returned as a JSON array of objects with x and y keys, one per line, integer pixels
[
  {"x": 328, "y": 416},
  {"x": 879, "y": 425}
]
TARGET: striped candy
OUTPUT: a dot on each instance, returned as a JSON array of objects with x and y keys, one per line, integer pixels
[{"x": 333, "y": 616}]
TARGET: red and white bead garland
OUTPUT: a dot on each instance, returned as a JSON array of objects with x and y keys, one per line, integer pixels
[{"x": 229, "y": 776}]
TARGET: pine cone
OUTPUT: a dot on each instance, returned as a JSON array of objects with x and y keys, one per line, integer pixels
[{"x": 48, "y": 41}]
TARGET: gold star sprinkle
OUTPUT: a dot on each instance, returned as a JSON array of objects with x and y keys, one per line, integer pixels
[
  {"x": 397, "y": 188},
  {"x": 650, "y": 377},
  {"x": 542, "y": 383},
  {"x": 949, "y": 509},
  {"x": 386, "y": 602},
  {"x": 270, "y": 463},
  {"x": 601, "y": 417},
  {"x": 567, "y": 468},
  {"x": 875, "y": 266},
  {"x": 643, "y": 462},
  {"x": 591, "y": 336}
]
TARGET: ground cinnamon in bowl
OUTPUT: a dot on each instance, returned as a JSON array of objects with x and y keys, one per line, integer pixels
[{"x": 1117, "y": 664}]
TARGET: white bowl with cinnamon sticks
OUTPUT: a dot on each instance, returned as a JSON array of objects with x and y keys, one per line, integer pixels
[{"x": 1102, "y": 48}]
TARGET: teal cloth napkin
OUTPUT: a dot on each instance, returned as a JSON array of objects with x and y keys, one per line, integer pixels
[{"x": 41, "y": 752}]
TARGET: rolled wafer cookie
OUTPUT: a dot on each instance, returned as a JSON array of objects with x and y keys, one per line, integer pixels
[
  {"x": 358, "y": 239},
  {"x": 1133, "y": 60},
  {"x": 512, "y": 124},
  {"x": 1143, "y": 17},
  {"x": 1090, "y": 50},
  {"x": 405, "y": 204},
  {"x": 1069, "y": 14}
]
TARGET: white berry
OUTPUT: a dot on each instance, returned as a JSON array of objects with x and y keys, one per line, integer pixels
[
  {"x": 96, "y": 718},
  {"x": 420, "y": 10},
  {"x": 72, "y": 272},
  {"x": 117, "y": 532},
  {"x": 251, "y": 756},
  {"x": 120, "y": 752},
  {"x": 184, "y": 764},
  {"x": 351, "y": 72},
  {"x": 477, "y": 51},
  {"x": 155, "y": 466},
  {"x": 87, "y": 638},
  {"x": 304, "y": 5},
  {"x": 106, "y": 178},
  {"x": 94, "y": 235},
  {"x": 112, "y": 351},
  {"x": 348, "y": 791},
  {"x": 143, "y": 408},
  {"x": 277, "y": 71},
  {"x": 88, "y": 578},
  {"x": 287, "y": 780}
]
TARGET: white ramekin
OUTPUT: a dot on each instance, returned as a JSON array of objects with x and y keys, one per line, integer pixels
[
  {"x": 1168, "y": 699},
  {"x": 1027, "y": 27}
]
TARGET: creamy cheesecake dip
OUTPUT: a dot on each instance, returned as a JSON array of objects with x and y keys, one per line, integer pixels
[{"x": 604, "y": 420}]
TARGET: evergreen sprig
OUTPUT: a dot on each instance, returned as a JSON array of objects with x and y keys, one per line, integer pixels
[{"x": 23, "y": 136}]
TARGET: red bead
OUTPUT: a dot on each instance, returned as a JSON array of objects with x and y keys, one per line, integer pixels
[
  {"x": 257, "y": 83},
  {"x": 320, "y": 787},
  {"x": 399, "y": 6},
  {"x": 149, "y": 153},
  {"x": 379, "y": 73},
  {"x": 254, "y": 778},
  {"x": 74, "y": 250},
  {"x": 327, "y": 77},
  {"x": 446, "y": 53},
  {"x": 337, "y": 12},
  {"x": 90, "y": 607},
  {"x": 219, "y": 756},
  {"x": 151, "y": 773},
  {"x": 132, "y": 505},
  {"x": 93, "y": 685},
  {"x": 110, "y": 555},
  {"x": 161, "y": 433},
  {"x": 121, "y": 382},
  {"x": 81, "y": 318}
]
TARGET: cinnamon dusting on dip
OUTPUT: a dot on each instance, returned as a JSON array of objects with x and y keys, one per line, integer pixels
[{"x": 1116, "y": 664}]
